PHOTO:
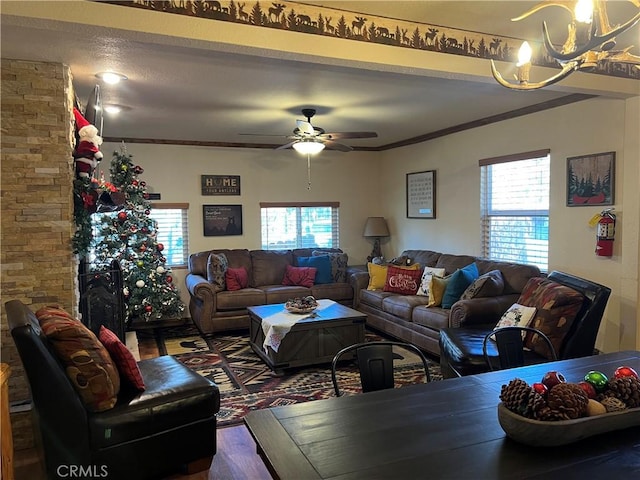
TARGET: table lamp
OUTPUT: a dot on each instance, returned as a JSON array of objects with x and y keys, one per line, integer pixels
[{"x": 376, "y": 228}]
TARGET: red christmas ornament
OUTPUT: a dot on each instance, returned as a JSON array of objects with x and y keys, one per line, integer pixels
[
  {"x": 169, "y": 279},
  {"x": 145, "y": 196},
  {"x": 122, "y": 216},
  {"x": 138, "y": 170},
  {"x": 143, "y": 247},
  {"x": 160, "y": 247},
  {"x": 148, "y": 308},
  {"x": 540, "y": 388},
  {"x": 147, "y": 212},
  {"x": 145, "y": 230},
  {"x": 134, "y": 183},
  {"x": 588, "y": 388},
  {"x": 143, "y": 184},
  {"x": 552, "y": 379},
  {"x": 134, "y": 229},
  {"x": 625, "y": 371}
]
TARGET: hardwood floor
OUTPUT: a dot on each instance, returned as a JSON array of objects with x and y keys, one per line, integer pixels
[{"x": 236, "y": 459}]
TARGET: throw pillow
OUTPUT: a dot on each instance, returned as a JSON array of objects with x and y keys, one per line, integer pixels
[
  {"x": 300, "y": 276},
  {"x": 556, "y": 308},
  {"x": 86, "y": 361},
  {"x": 322, "y": 264},
  {"x": 217, "y": 265},
  {"x": 425, "y": 281},
  {"x": 236, "y": 278},
  {"x": 436, "y": 292},
  {"x": 402, "y": 281},
  {"x": 490, "y": 284},
  {"x": 122, "y": 357},
  {"x": 460, "y": 280},
  {"x": 516, "y": 316},
  {"x": 338, "y": 265},
  {"x": 378, "y": 274}
]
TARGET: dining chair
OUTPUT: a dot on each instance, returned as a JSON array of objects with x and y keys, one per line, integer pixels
[
  {"x": 375, "y": 364},
  {"x": 509, "y": 343}
]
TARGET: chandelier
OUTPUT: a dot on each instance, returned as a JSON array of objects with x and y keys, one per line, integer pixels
[{"x": 589, "y": 44}]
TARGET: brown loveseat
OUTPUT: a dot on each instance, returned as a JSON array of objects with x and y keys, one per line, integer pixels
[
  {"x": 408, "y": 318},
  {"x": 214, "y": 310}
]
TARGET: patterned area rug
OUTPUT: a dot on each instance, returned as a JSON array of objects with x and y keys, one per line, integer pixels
[{"x": 246, "y": 383}]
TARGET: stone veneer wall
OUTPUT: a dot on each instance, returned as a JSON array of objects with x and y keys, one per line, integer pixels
[{"x": 37, "y": 263}]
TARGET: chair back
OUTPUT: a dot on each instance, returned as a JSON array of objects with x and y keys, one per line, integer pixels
[
  {"x": 581, "y": 338},
  {"x": 510, "y": 345},
  {"x": 61, "y": 414},
  {"x": 375, "y": 364}
]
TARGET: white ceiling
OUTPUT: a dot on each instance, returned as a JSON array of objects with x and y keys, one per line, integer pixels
[{"x": 186, "y": 93}]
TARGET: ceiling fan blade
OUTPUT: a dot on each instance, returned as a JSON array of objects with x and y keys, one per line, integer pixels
[
  {"x": 286, "y": 145},
  {"x": 305, "y": 127},
  {"x": 337, "y": 146},
  {"x": 340, "y": 135},
  {"x": 263, "y": 135}
]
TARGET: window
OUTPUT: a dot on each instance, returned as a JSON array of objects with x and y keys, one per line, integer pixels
[
  {"x": 514, "y": 208},
  {"x": 299, "y": 225},
  {"x": 173, "y": 231}
]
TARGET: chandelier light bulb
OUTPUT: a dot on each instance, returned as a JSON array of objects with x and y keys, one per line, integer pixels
[
  {"x": 524, "y": 54},
  {"x": 111, "y": 78},
  {"x": 584, "y": 11}
]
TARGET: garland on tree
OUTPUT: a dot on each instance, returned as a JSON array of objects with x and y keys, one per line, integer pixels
[{"x": 130, "y": 237}]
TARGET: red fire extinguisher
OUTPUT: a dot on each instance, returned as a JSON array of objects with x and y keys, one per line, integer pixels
[{"x": 605, "y": 233}]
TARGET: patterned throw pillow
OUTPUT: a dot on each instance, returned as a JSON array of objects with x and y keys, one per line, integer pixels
[
  {"x": 236, "y": 278},
  {"x": 425, "y": 281},
  {"x": 122, "y": 357},
  {"x": 87, "y": 362},
  {"x": 460, "y": 280},
  {"x": 556, "y": 308},
  {"x": 402, "y": 281},
  {"x": 516, "y": 316},
  {"x": 322, "y": 264},
  {"x": 491, "y": 284},
  {"x": 217, "y": 265},
  {"x": 299, "y": 276},
  {"x": 338, "y": 265}
]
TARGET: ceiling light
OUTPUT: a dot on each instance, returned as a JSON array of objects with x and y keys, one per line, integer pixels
[
  {"x": 308, "y": 147},
  {"x": 111, "y": 77},
  {"x": 113, "y": 109},
  {"x": 588, "y": 45}
]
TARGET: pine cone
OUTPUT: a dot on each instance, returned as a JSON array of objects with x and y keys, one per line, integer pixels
[
  {"x": 626, "y": 389},
  {"x": 515, "y": 396},
  {"x": 613, "y": 404},
  {"x": 568, "y": 401},
  {"x": 537, "y": 406}
]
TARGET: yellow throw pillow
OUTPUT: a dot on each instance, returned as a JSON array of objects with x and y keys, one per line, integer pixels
[
  {"x": 436, "y": 292},
  {"x": 378, "y": 274}
]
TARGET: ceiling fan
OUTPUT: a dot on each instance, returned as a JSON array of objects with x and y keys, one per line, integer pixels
[{"x": 307, "y": 135}]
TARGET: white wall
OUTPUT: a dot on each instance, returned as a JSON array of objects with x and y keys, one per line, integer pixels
[
  {"x": 597, "y": 125},
  {"x": 265, "y": 176}
]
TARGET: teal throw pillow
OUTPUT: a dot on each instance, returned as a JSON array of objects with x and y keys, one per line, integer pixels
[
  {"x": 460, "y": 280},
  {"x": 322, "y": 264}
]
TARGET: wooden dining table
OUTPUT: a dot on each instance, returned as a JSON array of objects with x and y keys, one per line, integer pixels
[{"x": 441, "y": 430}]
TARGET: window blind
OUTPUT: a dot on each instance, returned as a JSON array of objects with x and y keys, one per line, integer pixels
[
  {"x": 301, "y": 225},
  {"x": 172, "y": 231}
]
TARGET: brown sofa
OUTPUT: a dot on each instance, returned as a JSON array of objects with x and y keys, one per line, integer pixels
[
  {"x": 407, "y": 317},
  {"x": 214, "y": 311}
]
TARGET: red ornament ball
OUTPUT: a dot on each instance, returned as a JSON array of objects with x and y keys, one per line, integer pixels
[
  {"x": 553, "y": 378},
  {"x": 625, "y": 371},
  {"x": 143, "y": 184},
  {"x": 169, "y": 279},
  {"x": 122, "y": 216},
  {"x": 147, "y": 212},
  {"x": 540, "y": 388},
  {"x": 143, "y": 248},
  {"x": 148, "y": 308},
  {"x": 588, "y": 388},
  {"x": 138, "y": 170},
  {"x": 134, "y": 183},
  {"x": 160, "y": 247}
]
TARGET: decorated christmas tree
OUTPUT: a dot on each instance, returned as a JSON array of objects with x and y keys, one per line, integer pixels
[{"x": 130, "y": 237}]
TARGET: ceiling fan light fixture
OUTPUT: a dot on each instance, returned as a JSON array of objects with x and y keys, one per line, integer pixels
[
  {"x": 111, "y": 78},
  {"x": 308, "y": 147}
]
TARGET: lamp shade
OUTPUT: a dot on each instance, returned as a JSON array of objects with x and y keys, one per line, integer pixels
[
  {"x": 308, "y": 147},
  {"x": 376, "y": 227}
]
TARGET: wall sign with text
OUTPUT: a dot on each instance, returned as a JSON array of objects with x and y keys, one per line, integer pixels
[
  {"x": 220, "y": 184},
  {"x": 421, "y": 194}
]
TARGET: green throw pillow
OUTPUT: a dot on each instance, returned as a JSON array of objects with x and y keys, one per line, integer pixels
[{"x": 460, "y": 280}]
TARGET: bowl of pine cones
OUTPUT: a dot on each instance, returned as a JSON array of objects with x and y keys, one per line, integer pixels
[
  {"x": 301, "y": 305},
  {"x": 560, "y": 412}
]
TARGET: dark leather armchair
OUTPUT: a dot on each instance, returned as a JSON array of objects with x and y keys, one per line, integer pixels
[
  {"x": 461, "y": 348},
  {"x": 147, "y": 434}
]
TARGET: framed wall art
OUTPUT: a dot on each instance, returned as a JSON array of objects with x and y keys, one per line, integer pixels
[
  {"x": 421, "y": 194},
  {"x": 591, "y": 179},
  {"x": 222, "y": 220},
  {"x": 220, "y": 184}
]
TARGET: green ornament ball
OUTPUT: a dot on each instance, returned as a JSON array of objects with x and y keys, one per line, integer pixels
[
  {"x": 597, "y": 379},
  {"x": 139, "y": 263}
]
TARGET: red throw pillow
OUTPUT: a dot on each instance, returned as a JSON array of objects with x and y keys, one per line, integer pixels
[
  {"x": 236, "y": 278},
  {"x": 122, "y": 357},
  {"x": 402, "y": 281},
  {"x": 299, "y": 276}
]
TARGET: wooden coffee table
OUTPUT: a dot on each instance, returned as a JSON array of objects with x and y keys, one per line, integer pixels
[{"x": 311, "y": 341}]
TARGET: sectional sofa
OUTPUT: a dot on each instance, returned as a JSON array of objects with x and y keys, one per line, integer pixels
[
  {"x": 408, "y": 318},
  {"x": 216, "y": 306}
]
